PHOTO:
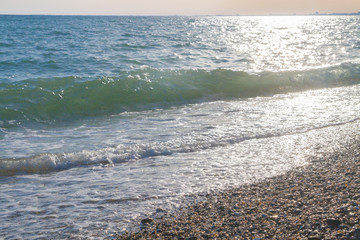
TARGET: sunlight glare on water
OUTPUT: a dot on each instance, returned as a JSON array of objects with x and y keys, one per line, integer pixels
[{"x": 281, "y": 42}]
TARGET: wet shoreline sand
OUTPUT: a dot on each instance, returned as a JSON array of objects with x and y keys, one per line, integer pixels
[{"x": 319, "y": 201}]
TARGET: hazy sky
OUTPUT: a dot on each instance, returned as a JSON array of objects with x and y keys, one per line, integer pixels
[{"x": 181, "y": 7}]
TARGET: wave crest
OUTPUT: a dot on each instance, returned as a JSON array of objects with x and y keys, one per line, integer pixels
[{"x": 69, "y": 98}]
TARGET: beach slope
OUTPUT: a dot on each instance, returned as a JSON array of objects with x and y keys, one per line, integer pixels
[{"x": 320, "y": 201}]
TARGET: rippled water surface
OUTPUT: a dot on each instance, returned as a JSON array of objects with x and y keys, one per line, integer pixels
[{"x": 104, "y": 120}]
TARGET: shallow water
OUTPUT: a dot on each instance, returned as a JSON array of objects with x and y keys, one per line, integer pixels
[{"x": 106, "y": 119}]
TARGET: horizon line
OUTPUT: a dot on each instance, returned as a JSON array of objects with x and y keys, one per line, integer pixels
[{"x": 185, "y": 15}]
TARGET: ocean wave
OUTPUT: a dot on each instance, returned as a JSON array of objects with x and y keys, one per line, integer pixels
[
  {"x": 70, "y": 98},
  {"x": 52, "y": 162}
]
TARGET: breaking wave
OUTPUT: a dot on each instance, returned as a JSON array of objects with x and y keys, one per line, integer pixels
[
  {"x": 50, "y": 162},
  {"x": 70, "y": 98}
]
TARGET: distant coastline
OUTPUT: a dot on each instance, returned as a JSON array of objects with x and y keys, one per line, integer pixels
[
  {"x": 334, "y": 14},
  {"x": 243, "y": 15}
]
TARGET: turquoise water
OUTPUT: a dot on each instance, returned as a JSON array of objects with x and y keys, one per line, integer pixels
[{"x": 105, "y": 119}]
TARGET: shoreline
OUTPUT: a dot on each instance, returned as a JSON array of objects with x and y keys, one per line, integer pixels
[{"x": 318, "y": 201}]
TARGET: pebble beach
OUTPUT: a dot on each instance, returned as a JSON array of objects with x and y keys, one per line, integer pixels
[{"x": 319, "y": 201}]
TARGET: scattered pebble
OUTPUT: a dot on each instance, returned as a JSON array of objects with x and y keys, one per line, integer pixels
[
  {"x": 320, "y": 201},
  {"x": 146, "y": 221}
]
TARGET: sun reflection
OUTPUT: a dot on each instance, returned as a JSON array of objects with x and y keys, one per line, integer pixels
[{"x": 277, "y": 43}]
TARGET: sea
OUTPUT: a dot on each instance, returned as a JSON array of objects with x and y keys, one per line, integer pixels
[{"x": 105, "y": 120}]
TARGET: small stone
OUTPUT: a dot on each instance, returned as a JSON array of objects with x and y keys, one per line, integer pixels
[
  {"x": 296, "y": 212},
  {"x": 159, "y": 210},
  {"x": 332, "y": 222},
  {"x": 146, "y": 221},
  {"x": 316, "y": 237},
  {"x": 191, "y": 238},
  {"x": 221, "y": 208}
]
